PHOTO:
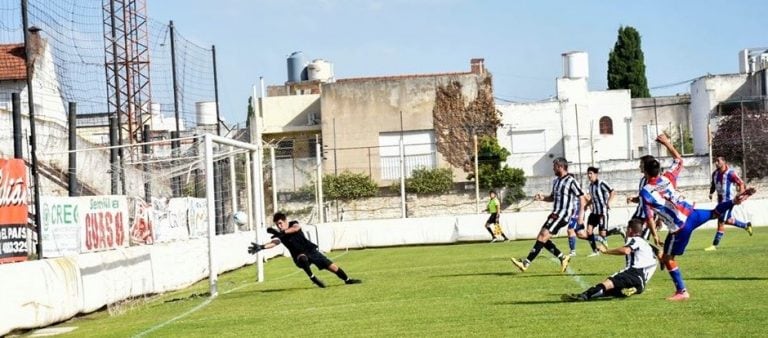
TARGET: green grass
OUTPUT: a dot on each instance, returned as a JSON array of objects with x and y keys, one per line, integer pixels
[{"x": 462, "y": 290}]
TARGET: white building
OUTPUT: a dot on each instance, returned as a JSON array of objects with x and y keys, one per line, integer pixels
[{"x": 583, "y": 126}]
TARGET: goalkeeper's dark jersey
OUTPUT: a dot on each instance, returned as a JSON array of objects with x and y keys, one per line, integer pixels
[{"x": 297, "y": 244}]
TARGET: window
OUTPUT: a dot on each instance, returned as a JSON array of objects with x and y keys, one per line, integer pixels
[
  {"x": 528, "y": 141},
  {"x": 606, "y": 126},
  {"x": 284, "y": 149},
  {"x": 419, "y": 152},
  {"x": 5, "y": 101}
]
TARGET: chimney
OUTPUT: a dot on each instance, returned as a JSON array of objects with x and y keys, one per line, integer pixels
[{"x": 477, "y": 66}]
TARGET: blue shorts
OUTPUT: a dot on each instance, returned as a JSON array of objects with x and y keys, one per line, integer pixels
[
  {"x": 573, "y": 224},
  {"x": 677, "y": 241},
  {"x": 726, "y": 215}
]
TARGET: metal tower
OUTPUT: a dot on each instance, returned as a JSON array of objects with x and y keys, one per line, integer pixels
[{"x": 126, "y": 46}]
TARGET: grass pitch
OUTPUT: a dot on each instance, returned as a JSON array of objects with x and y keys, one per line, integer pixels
[{"x": 461, "y": 290}]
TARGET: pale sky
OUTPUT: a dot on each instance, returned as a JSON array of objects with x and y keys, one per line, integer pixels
[{"x": 521, "y": 41}]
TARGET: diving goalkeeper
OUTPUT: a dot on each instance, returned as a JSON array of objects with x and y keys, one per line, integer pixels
[{"x": 303, "y": 251}]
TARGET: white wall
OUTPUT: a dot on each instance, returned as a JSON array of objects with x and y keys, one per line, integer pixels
[
  {"x": 517, "y": 123},
  {"x": 288, "y": 113},
  {"x": 706, "y": 93}
]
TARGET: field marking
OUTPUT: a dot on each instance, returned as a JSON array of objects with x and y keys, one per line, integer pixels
[
  {"x": 208, "y": 301},
  {"x": 576, "y": 277}
]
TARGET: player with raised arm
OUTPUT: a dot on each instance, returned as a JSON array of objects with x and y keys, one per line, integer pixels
[
  {"x": 640, "y": 266},
  {"x": 565, "y": 188},
  {"x": 303, "y": 251},
  {"x": 660, "y": 196},
  {"x": 726, "y": 183}
]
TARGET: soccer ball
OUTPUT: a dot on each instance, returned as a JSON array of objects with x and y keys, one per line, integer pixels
[{"x": 240, "y": 218}]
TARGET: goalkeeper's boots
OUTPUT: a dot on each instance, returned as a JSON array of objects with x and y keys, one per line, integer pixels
[
  {"x": 352, "y": 281},
  {"x": 317, "y": 282},
  {"x": 521, "y": 264},
  {"x": 749, "y": 228},
  {"x": 628, "y": 291},
  {"x": 564, "y": 262}
]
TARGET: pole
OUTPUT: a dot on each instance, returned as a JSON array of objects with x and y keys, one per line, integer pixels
[
  {"x": 656, "y": 124},
  {"x": 72, "y": 121},
  {"x": 403, "y": 211},
  {"x": 176, "y": 180},
  {"x": 117, "y": 165},
  {"x": 709, "y": 141},
  {"x": 216, "y": 92},
  {"x": 253, "y": 190},
  {"x": 175, "y": 83},
  {"x": 233, "y": 184},
  {"x": 319, "y": 155},
  {"x": 477, "y": 176},
  {"x": 335, "y": 167},
  {"x": 578, "y": 140},
  {"x": 146, "y": 149},
  {"x": 743, "y": 145},
  {"x": 33, "y": 135},
  {"x": 113, "y": 154},
  {"x": 209, "y": 192},
  {"x": 274, "y": 179},
  {"x": 249, "y": 189},
  {"x": 682, "y": 139},
  {"x": 18, "y": 152}
]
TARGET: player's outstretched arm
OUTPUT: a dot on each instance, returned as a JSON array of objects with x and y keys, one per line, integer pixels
[
  {"x": 620, "y": 251},
  {"x": 667, "y": 143}
]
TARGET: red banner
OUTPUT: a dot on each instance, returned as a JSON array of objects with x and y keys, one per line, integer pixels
[{"x": 13, "y": 210}]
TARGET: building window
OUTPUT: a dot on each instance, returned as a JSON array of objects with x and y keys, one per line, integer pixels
[
  {"x": 419, "y": 149},
  {"x": 606, "y": 126},
  {"x": 528, "y": 141},
  {"x": 284, "y": 149}
]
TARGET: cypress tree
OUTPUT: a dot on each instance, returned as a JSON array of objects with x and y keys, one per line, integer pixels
[{"x": 626, "y": 64}]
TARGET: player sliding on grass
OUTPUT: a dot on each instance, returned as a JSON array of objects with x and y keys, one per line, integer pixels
[
  {"x": 565, "y": 188},
  {"x": 640, "y": 266},
  {"x": 660, "y": 195},
  {"x": 303, "y": 251}
]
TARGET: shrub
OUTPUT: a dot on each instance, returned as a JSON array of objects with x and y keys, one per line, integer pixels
[
  {"x": 348, "y": 186},
  {"x": 430, "y": 181}
]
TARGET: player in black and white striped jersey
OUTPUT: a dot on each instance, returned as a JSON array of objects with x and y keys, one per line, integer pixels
[
  {"x": 640, "y": 265},
  {"x": 565, "y": 189},
  {"x": 600, "y": 195}
]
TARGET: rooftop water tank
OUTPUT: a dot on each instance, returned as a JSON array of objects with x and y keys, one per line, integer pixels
[
  {"x": 295, "y": 66},
  {"x": 321, "y": 70},
  {"x": 575, "y": 65},
  {"x": 205, "y": 112}
]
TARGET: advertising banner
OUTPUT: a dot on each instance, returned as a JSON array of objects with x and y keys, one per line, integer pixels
[
  {"x": 61, "y": 226},
  {"x": 13, "y": 210}
]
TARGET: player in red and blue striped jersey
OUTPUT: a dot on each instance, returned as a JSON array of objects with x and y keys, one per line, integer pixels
[
  {"x": 726, "y": 182},
  {"x": 660, "y": 196}
]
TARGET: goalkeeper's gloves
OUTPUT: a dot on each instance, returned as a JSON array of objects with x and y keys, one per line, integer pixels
[{"x": 254, "y": 248}]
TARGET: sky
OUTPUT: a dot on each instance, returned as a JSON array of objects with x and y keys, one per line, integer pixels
[{"x": 521, "y": 41}]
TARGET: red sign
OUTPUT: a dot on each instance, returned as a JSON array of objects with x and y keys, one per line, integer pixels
[
  {"x": 13, "y": 210},
  {"x": 13, "y": 192}
]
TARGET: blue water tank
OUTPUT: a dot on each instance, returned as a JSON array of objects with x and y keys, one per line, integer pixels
[{"x": 295, "y": 66}]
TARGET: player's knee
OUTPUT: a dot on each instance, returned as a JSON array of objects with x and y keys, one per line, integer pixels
[{"x": 302, "y": 261}]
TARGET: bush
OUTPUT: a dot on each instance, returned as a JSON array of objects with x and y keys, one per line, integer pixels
[
  {"x": 430, "y": 181},
  {"x": 495, "y": 176},
  {"x": 348, "y": 186}
]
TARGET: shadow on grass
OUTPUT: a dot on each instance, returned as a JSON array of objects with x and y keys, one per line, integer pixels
[
  {"x": 192, "y": 296},
  {"x": 727, "y": 278},
  {"x": 549, "y": 301},
  {"x": 512, "y": 273}
]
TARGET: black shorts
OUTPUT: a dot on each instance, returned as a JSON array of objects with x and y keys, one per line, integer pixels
[
  {"x": 555, "y": 222},
  {"x": 491, "y": 219},
  {"x": 597, "y": 220},
  {"x": 627, "y": 278},
  {"x": 316, "y": 258}
]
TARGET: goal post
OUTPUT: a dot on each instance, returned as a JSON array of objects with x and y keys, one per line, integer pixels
[{"x": 215, "y": 149}]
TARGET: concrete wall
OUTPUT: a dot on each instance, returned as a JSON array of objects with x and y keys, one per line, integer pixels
[
  {"x": 364, "y": 108},
  {"x": 706, "y": 93},
  {"x": 668, "y": 112},
  {"x": 289, "y": 113},
  {"x": 516, "y": 119}
]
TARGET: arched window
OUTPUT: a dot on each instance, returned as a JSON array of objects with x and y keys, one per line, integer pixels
[{"x": 606, "y": 126}]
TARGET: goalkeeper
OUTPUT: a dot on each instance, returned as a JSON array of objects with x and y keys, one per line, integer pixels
[{"x": 303, "y": 251}]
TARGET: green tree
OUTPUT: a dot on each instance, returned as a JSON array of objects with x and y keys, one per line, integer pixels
[
  {"x": 494, "y": 175},
  {"x": 626, "y": 64},
  {"x": 429, "y": 181}
]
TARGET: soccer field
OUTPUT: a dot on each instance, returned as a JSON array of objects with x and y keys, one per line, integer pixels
[{"x": 460, "y": 290}]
